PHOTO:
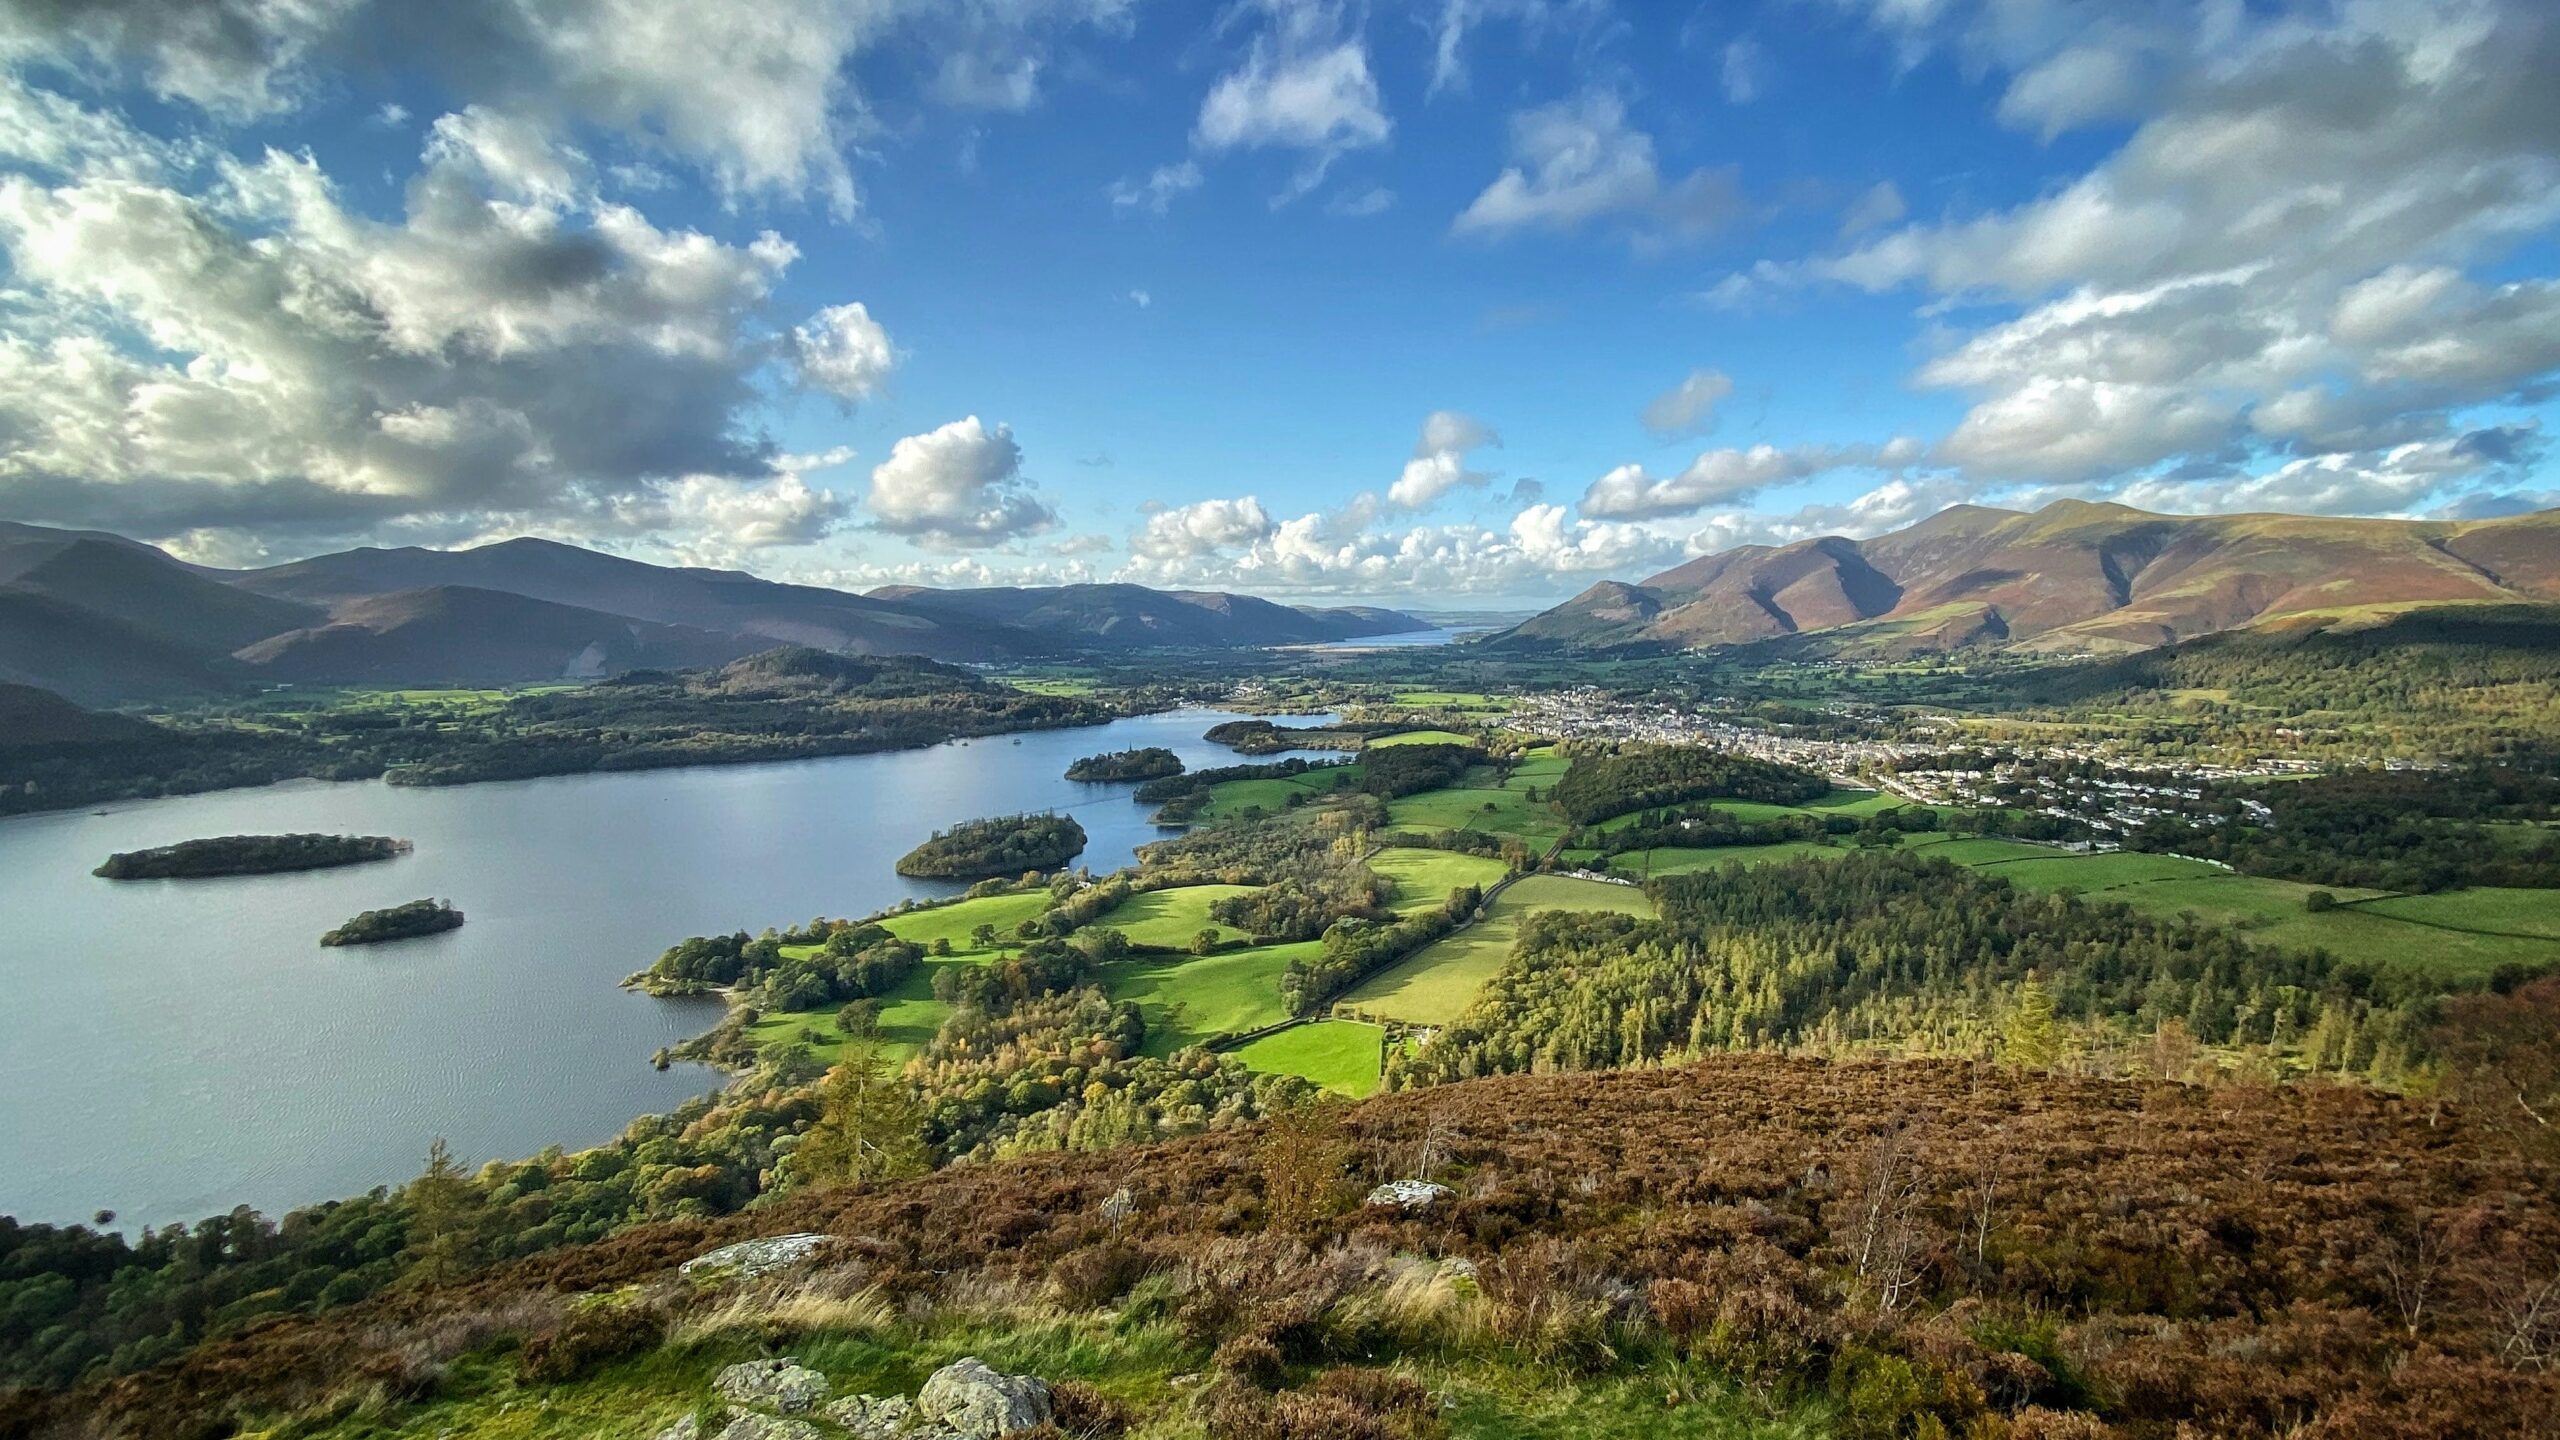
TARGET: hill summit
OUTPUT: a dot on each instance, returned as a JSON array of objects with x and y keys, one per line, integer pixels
[{"x": 2073, "y": 576}]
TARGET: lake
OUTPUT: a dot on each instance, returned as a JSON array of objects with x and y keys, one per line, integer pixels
[{"x": 173, "y": 1048}]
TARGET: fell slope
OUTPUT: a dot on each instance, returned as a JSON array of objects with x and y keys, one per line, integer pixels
[
  {"x": 455, "y": 635},
  {"x": 1134, "y": 616},
  {"x": 2073, "y": 576}
]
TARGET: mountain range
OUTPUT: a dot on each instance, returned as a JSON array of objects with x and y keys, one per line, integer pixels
[
  {"x": 102, "y": 619},
  {"x": 2075, "y": 576}
]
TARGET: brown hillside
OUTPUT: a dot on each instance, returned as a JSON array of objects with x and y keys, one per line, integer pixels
[
  {"x": 2073, "y": 576},
  {"x": 2226, "y": 1262}
]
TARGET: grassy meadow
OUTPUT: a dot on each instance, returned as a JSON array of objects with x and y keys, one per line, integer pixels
[{"x": 1433, "y": 984}]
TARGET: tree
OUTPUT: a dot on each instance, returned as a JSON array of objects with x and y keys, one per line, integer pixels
[
  {"x": 2319, "y": 902},
  {"x": 439, "y": 1216},
  {"x": 861, "y": 1018},
  {"x": 2030, "y": 1038},
  {"x": 1206, "y": 942},
  {"x": 869, "y": 1127},
  {"x": 982, "y": 936}
]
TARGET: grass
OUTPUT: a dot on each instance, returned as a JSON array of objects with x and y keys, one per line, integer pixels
[
  {"x": 1341, "y": 1055},
  {"x": 1424, "y": 737},
  {"x": 1231, "y": 799},
  {"x": 1432, "y": 985},
  {"x": 1424, "y": 878},
  {"x": 1171, "y": 918},
  {"x": 2485, "y": 910},
  {"x": 1192, "y": 998},
  {"x": 1464, "y": 700},
  {"x": 954, "y": 921}
]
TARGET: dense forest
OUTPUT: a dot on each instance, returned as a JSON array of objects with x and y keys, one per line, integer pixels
[
  {"x": 2411, "y": 830},
  {"x": 1895, "y": 951},
  {"x": 998, "y": 845},
  {"x": 250, "y": 855},
  {"x": 1154, "y": 762},
  {"x": 780, "y": 705},
  {"x": 397, "y": 922},
  {"x": 1646, "y": 777}
]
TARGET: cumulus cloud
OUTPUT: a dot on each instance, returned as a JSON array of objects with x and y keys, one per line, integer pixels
[
  {"x": 2284, "y": 260},
  {"x": 1688, "y": 408},
  {"x": 960, "y": 486},
  {"x": 843, "y": 352},
  {"x": 1439, "y": 463},
  {"x": 509, "y": 351},
  {"x": 1343, "y": 555},
  {"x": 1578, "y": 161},
  {"x": 1728, "y": 477},
  {"x": 1204, "y": 527},
  {"x": 761, "y": 98}
]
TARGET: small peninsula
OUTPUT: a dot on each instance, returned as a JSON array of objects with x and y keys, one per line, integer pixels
[
  {"x": 1002, "y": 845},
  {"x": 1154, "y": 762},
  {"x": 400, "y": 922},
  {"x": 249, "y": 855}
]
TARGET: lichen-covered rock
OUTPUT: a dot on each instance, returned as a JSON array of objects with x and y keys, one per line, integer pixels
[
  {"x": 871, "y": 1417},
  {"x": 776, "y": 1385},
  {"x": 1409, "y": 1195},
  {"x": 750, "y": 1258},
  {"x": 688, "y": 1428},
  {"x": 768, "y": 1427},
  {"x": 977, "y": 1403}
]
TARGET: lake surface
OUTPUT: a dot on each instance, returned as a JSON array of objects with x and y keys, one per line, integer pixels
[{"x": 173, "y": 1048}]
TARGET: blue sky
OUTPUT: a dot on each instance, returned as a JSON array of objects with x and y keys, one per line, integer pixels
[{"x": 1460, "y": 302}]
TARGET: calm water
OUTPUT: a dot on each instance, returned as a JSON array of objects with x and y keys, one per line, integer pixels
[{"x": 170, "y": 1049}]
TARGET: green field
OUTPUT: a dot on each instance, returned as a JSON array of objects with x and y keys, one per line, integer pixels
[
  {"x": 954, "y": 921},
  {"x": 1340, "y": 1055},
  {"x": 1188, "y": 999},
  {"x": 1231, "y": 799},
  {"x": 1432, "y": 985},
  {"x": 1681, "y": 859},
  {"x": 1425, "y": 737},
  {"x": 1477, "y": 802},
  {"x": 1171, "y": 918},
  {"x": 907, "y": 1022},
  {"x": 2534, "y": 913},
  {"x": 1838, "y": 802},
  {"x": 1424, "y": 878},
  {"x": 1467, "y": 700}
]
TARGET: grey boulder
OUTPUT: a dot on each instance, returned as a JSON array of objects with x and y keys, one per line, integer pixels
[
  {"x": 871, "y": 1417},
  {"x": 1409, "y": 1195},
  {"x": 749, "y": 1259},
  {"x": 777, "y": 1385},
  {"x": 974, "y": 1402}
]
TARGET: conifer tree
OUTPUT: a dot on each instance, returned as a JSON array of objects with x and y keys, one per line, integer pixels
[
  {"x": 869, "y": 1126},
  {"x": 2030, "y": 1039}
]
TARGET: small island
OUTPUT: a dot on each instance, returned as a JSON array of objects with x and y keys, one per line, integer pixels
[
  {"x": 1151, "y": 763},
  {"x": 1003, "y": 845},
  {"x": 250, "y": 855},
  {"x": 400, "y": 922}
]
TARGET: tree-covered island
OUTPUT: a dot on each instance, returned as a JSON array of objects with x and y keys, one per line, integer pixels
[
  {"x": 249, "y": 855},
  {"x": 1154, "y": 762},
  {"x": 1001, "y": 845},
  {"x": 400, "y": 922}
]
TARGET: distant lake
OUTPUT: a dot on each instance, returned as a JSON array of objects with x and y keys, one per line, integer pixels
[
  {"x": 1407, "y": 639},
  {"x": 173, "y": 1048}
]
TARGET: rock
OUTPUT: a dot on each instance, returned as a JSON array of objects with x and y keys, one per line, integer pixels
[
  {"x": 772, "y": 1385},
  {"x": 750, "y": 1258},
  {"x": 1409, "y": 1195},
  {"x": 688, "y": 1428},
  {"x": 871, "y": 1417},
  {"x": 976, "y": 1403},
  {"x": 769, "y": 1427}
]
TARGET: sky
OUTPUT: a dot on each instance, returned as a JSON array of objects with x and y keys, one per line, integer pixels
[{"x": 1464, "y": 303}]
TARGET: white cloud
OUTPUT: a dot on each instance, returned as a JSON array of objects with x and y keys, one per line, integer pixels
[
  {"x": 1202, "y": 528},
  {"x": 1155, "y": 194},
  {"x": 843, "y": 352},
  {"x": 1340, "y": 555},
  {"x": 504, "y": 352},
  {"x": 1578, "y": 161},
  {"x": 1323, "y": 101},
  {"x": 1727, "y": 477},
  {"x": 1880, "y": 204},
  {"x": 510, "y": 156},
  {"x": 1439, "y": 463},
  {"x": 1744, "y": 71},
  {"x": 1688, "y": 408},
  {"x": 960, "y": 486},
  {"x": 1141, "y": 299}
]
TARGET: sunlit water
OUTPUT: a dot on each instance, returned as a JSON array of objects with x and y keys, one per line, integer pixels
[{"x": 172, "y": 1048}]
